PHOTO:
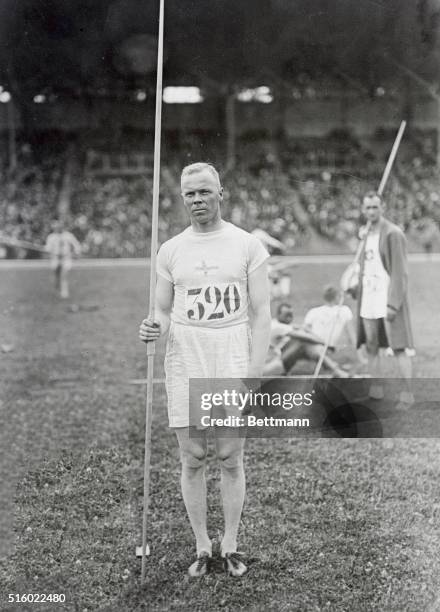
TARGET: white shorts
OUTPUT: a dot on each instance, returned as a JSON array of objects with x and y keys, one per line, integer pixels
[
  {"x": 64, "y": 264},
  {"x": 374, "y": 297},
  {"x": 200, "y": 352}
]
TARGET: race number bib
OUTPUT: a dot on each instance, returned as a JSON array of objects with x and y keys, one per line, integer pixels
[
  {"x": 212, "y": 302},
  {"x": 371, "y": 283},
  {"x": 374, "y": 283}
]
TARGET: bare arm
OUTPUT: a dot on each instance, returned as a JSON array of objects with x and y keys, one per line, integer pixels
[
  {"x": 75, "y": 245},
  {"x": 259, "y": 300},
  {"x": 307, "y": 324},
  {"x": 151, "y": 330},
  {"x": 349, "y": 328}
]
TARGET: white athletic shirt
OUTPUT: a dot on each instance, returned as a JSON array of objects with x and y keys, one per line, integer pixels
[
  {"x": 210, "y": 272},
  {"x": 325, "y": 320},
  {"x": 375, "y": 281},
  {"x": 62, "y": 245}
]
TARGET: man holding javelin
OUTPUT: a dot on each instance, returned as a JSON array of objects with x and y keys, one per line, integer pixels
[
  {"x": 383, "y": 309},
  {"x": 211, "y": 277}
]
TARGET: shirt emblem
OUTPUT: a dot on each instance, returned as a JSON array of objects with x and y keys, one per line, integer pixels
[{"x": 204, "y": 268}]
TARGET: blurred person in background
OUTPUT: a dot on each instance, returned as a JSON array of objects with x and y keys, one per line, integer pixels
[
  {"x": 62, "y": 246},
  {"x": 330, "y": 320}
]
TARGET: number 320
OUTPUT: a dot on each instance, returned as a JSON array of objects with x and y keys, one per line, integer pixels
[{"x": 212, "y": 302}]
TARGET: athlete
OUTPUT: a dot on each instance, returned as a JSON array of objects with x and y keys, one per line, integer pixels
[
  {"x": 213, "y": 299},
  {"x": 382, "y": 299},
  {"x": 289, "y": 343},
  {"x": 330, "y": 320},
  {"x": 62, "y": 246}
]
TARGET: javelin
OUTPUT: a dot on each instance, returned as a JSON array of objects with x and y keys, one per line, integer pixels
[
  {"x": 391, "y": 158},
  {"x": 151, "y": 346},
  {"x": 383, "y": 182},
  {"x": 23, "y": 244}
]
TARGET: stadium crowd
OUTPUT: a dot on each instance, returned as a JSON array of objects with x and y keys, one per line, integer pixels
[
  {"x": 110, "y": 214},
  {"x": 118, "y": 223},
  {"x": 332, "y": 199},
  {"x": 29, "y": 197}
]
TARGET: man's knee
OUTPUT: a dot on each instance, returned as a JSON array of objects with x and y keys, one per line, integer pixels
[
  {"x": 193, "y": 458},
  {"x": 371, "y": 328},
  {"x": 294, "y": 351},
  {"x": 230, "y": 459},
  {"x": 313, "y": 351}
]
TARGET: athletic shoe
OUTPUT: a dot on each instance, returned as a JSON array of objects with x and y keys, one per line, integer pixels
[
  {"x": 234, "y": 565},
  {"x": 201, "y": 565}
]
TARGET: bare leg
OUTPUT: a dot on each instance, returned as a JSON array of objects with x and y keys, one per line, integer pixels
[
  {"x": 274, "y": 367},
  {"x": 232, "y": 485},
  {"x": 314, "y": 352},
  {"x": 334, "y": 367},
  {"x": 193, "y": 457},
  {"x": 292, "y": 352},
  {"x": 406, "y": 398},
  {"x": 374, "y": 365},
  {"x": 404, "y": 364},
  {"x": 371, "y": 327},
  {"x": 64, "y": 284},
  {"x": 57, "y": 274}
]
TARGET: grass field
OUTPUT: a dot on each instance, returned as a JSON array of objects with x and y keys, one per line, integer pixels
[{"x": 332, "y": 524}]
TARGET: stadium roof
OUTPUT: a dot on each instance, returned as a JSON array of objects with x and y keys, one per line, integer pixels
[{"x": 110, "y": 45}]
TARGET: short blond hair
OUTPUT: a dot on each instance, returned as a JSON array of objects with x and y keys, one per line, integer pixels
[{"x": 199, "y": 167}]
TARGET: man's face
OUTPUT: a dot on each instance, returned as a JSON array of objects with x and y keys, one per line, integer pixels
[
  {"x": 372, "y": 209},
  {"x": 202, "y": 196},
  {"x": 285, "y": 315}
]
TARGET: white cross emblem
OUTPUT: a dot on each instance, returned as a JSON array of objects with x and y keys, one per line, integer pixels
[{"x": 205, "y": 268}]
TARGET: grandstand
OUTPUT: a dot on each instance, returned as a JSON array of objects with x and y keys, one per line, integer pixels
[
  {"x": 297, "y": 104},
  {"x": 298, "y": 134},
  {"x": 311, "y": 187}
]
